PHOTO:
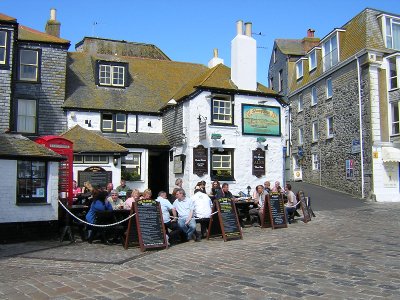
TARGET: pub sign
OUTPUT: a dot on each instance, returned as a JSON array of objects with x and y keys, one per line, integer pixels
[
  {"x": 200, "y": 160},
  {"x": 258, "y": 162}
]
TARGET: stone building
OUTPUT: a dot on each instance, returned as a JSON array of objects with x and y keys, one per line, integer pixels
[{"x": 344, "y": 108}]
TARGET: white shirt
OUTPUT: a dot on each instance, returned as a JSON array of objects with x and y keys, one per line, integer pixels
[{"x": 202, "y": 205}]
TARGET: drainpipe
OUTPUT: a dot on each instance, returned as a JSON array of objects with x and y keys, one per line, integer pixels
[{"x": 361, "y": 127}]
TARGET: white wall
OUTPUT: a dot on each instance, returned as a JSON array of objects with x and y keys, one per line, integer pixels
[
  {"x": 243, "y": 145},
  {"x": 27, "y": 213},
  {"x": 141, "y": 184}
]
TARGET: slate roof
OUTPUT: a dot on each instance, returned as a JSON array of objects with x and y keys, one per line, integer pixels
[
  {"x": 137, "y": 139},
  {"x": 296, "y": 47},
  {"x": 89, "y": 141},
  {"x": 16, "y": 146},
  {"x": 29, "y": 34}
]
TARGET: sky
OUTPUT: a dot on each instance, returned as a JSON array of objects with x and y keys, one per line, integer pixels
[{"x": 187, "y": 30}]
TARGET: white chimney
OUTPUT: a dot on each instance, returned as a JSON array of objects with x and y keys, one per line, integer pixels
[
  {"x": 215, "y": 60},
  {"x": 53, "y": 14},
  {"x": 244, "y": 58}
]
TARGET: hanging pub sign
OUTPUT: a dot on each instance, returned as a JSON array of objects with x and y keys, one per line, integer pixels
[
  {"x": 200, "y": 160},
  {"x": 202, "y": 130},
  {"x": 258, "y": 162}
]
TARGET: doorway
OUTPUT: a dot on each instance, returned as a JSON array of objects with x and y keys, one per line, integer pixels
[{"x": 158, "y": 171}]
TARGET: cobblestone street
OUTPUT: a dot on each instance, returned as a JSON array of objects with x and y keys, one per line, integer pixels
[{"x": 346, "y": 253}]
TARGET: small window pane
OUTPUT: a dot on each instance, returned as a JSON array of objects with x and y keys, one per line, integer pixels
[{"x": 28, "y": 65}]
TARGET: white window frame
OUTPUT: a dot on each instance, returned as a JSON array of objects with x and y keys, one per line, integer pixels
[
  {"x": 299, "y": 69},
  {"x": 330, "y": 52},
  {"x": 107, "y": 124},
  {"x": 113, "y": 124},
  {"x": 222, "y": 160},
  {"x": 222, "y": 110},
  {"x": 29, "y": 65},
  {"x": 301, "y": 136},
  {"x": 314, "y": 96},
  {"x": 300, "y": 103},
  {"x": 95, "y": 159},
  {"x": 280, "y": 80},
  {"x": 110, "y": 75},
  {"x": 120, "y": 119},
  {"x": 26, "y": 115},
  {"x": 315, "y": 161},
  {"x": 4, "y": 46},
  {"x": 315, "y": 133},
  {"x": 393, "y": 74},
  {"x": 395, "y": 118},
  {"x": 329, "y": 90},
  {"x": 330, "y": 130},
  {"x": 32, "y": 181},
  {"x": 388, "y": 28},
  {"x": 132, "y": 162},
  {"x": 312, "y": 60}
]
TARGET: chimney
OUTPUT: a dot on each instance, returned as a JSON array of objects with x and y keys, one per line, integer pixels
[
  {"x": 52, "y": 25},
  {"x": 310, "y": 33},
  {"x": 215, "y": 60},
  {"x": 244, "y": 58}
]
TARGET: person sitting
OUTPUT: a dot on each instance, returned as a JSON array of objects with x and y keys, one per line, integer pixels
[
  {"x": 99, "y": 203},
  {"x": 123, "y": 188},
  {"x": 147, "y": 194},
  {"x": 277, "y": 188},
  {"x": 184, "y": 206},
  {"x": 109, "y": 188},
  {"x": 76, "y": 190},
  {"x": 115, "y": 201},
  {"x": 135, "y": 196},
  {"x": 291, "y": 204},
  {"x": 267, "y": 187},
  {"x": 201, "y": 186},
  {"x": 215, "y": 188},
  {"x": 224, "y": 192},
  {"x": 171, "y": 226},
  {"x": 202, "y": 210},
  {"x": 259, "y": 200}
]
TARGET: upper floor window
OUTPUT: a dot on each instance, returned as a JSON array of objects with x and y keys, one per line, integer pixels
[
  {"x": 300, "y": 103},
  {"x": 222, "y": 112},
  {"x": 393, "y": 33},
  {"x": 314, "y": 97},
  {"x": 299, "y": 69},
  {"x": 130, "y": 166},
  {"x": 301, "y": 136},
  {"x": 329, "y": 127},
  {"x": 91, "y": 159},
  {"x": 312, "y": 60},
  {"x": 274, "y": 55},
  {"x": 26, "y": 116},
  {"x": 393, "y": 78},
  {"x": 280, "y": 81},
  {"x": 112, "y": 74},
  {"x": 28, "y": 65},
  {"x": 31, "y": 181},
  {"x": 329, "y": 91},
  {"x": 114, "y": 122},
  {"x": 330, "y": 52},
  {"x": 395, "y": 112},
  {"x": 315, "y": 133},
  {"x": 222, "y": 164},
  {"x": 315, "y": 161},
  {"x": 3, "y": 47}
]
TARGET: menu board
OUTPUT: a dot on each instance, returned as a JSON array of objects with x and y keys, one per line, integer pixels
[
  {"x": 258, "y": 162},
  {"x": 95, "y": 175},
  {"x": 150, "y": 224},
  {"x": 277, "y": 210},
  {"x": 266, "y": 217},
  {"x": 131, "y": 234},
  {"x": 304, "y": 207},
  {"x": 226, "y": 222},
  {"x": 200, "y": 160}
]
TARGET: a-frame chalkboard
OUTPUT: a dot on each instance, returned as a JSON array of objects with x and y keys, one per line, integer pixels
[
  {"x": 304, "y": 207},
  {"x": 276, "y": 208},
  {"x": 131, "y": 234},
  {"x": 266, "y": 217},
  {"x": 225, "y": 222}
]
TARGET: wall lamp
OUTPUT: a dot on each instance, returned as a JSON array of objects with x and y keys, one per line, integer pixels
[{"x": 115, "y": 161}]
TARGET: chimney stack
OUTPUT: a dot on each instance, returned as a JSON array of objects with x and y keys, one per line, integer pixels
[
  {"x": 52, "y": 25},
  {"x": 215, "y": 60},
  {"x": 310, "y": 33},
  {"x": 248, "y": 28}
]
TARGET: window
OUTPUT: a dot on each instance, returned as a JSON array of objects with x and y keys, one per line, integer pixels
[
  {"x": 330, "y": 52},
  {"x": 312, "y": 60},
  {"x": 222, "y": 164},
  {"x": 299, "y": 69},
  {"x": 314, "y": 97},
  {"x": 112, "y": 74},
  {"x": 31, "y": 181},
  {"x": 280, "y": 81},
  {"x": 28, "y": 65},
  {"x": 113, "y": 122},
  {"x": 26, "y": 116},
  {"x": 274, "y": 55},
  {"x": 395, "y": 118},
  {"x": 271, "y": 83},
  {"x": 130, "y": 167},
  {"x": 393, "y": 84},
  {"x": 329, "y": 88},
  {"x": 315, "y": 161},
  {"x": 95, "y": 159},
  {"x": 329, "y": 127},
  {"x": 315, "y": 134},
  {"x": 222, "y": 110},
  {"x": 3, "y": 47},
  {"x": 300, "y": 103},
  {"x": 78, "y": 159},
  {"x": 301, "y": 136},
  {"x": 393, "y": 33}
]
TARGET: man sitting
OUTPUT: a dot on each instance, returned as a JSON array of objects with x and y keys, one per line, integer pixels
[
  {"x": 184, "y": 206},
  {"x": 115, "y": 201},
  {"x": 202, "y": 210},
  {"x": 291, "y": 204},
  {"x": 172, "y": 225}
]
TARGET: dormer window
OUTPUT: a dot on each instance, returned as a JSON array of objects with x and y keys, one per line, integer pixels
[
  {"x": 330, "y": 52},
  {"x": 299, "y": 69},
  {"x": 392, "y": 29},
  {"x": 312, "y": 60},
  {"x": 112, "y": 74}
]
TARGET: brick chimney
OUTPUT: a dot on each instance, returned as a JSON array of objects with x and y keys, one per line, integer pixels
[
  {"x": 310, "y": 32},
  {"x": 52, "y": 25}
]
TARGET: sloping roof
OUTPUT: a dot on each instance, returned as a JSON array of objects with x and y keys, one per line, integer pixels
[
  {"x": 17, "y": 146},
  {"x": 6, "y": 18},
  {"x": 290, "y": 46},
  {"x": 89, "y": 141},
  {"x": 142, "y": 139},
  {"x": 152, "y": 83},
  {"x": 29, "y": 34}
]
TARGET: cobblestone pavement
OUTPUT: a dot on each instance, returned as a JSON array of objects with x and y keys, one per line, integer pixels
[{"x": 343, "y": 254}]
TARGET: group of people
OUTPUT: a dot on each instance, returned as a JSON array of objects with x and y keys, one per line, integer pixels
[{"x": 181, "y": 212}]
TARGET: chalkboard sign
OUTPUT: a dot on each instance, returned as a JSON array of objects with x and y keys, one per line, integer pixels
[
  {"x": 258, "y": 162},
  {"x": 304, "y": 207},
  {"x": 95, "y": 175},
  {"x": 277, "y": 210},
  {"x": 200, "y": 160},
  {"x": 150, "y": 225},
  {"x": 131, "y": 234},
  {"x": 266, "y": 217},
  {"x": 226, "y": 222}
]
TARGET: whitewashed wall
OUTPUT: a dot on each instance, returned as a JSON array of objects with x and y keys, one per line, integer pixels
[
  {"x": 243, "y": 145},
  {"x": 27, "y": 213}
]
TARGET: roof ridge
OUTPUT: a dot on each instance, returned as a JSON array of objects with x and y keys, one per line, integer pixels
[{"x": 211, "y": 71}]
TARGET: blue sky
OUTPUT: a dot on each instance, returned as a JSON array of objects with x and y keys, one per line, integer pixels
[{"x": 189, "y": 30}]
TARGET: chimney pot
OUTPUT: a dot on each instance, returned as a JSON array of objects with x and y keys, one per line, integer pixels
[
  {"x": 53, "y": 12},
  {"x": 310, "y": 32},
  {"x": 215, "y": 52},
  {"x": 239, "y": 27},
  {"x": 248, "y": 26},
  {"x": 52, "y": 25}
]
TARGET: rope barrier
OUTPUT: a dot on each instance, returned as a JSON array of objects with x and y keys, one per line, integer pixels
[
  {"x": 192, "y": 218},
  {"x": 95, "y": 225}
]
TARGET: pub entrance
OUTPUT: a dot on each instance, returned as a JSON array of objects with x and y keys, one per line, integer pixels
[{"x": 158, "y": 171}]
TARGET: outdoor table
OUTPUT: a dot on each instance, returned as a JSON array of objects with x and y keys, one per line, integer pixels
[
  {"x": 77, "y": 210},
  {"x": 243, "y": 205}
]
